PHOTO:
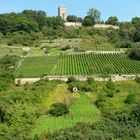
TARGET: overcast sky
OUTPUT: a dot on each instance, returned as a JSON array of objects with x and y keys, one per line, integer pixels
[{"x": 123, "y": 9}]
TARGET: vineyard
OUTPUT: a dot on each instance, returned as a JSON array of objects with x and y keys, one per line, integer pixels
[{"x": 77, "y": 64}]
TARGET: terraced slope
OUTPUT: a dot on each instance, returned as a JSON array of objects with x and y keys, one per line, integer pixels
[{"x": 77, "y": 64}]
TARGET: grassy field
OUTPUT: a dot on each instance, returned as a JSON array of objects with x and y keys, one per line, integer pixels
[
  {"x": 87, "y": 43},
  {"x": 82, "y": 107},
  {"x": 61, "y": 43},
  {"x": 36, "y": 52},
  {"x": 78, "y": 64},
  {"x": 82, "y": 110},
  {"x": 55, "y": 51},
  {"x": 10, "y": 51}
]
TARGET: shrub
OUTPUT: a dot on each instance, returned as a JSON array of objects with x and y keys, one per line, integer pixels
[
  {"x": 66, "y": 48},
  {"x": 90, "y": 80},
  {"x": 130, "y": 99},
  {"x": 58, "y": 109},
  {"x": 101, "y": 99},
  {"x": 110, "y": 88},
  {"x": 10, "y": 43},
  {"x": 24, "y": 53},
  {"x": 71, "y": 79},
  {"x": 137, "y": 79},
  {"x": 87, "y": 88},
  {"x": 134, "y": 54},
  {"x": 71, "y": 86},
  {"x": 126, "y": 45}
]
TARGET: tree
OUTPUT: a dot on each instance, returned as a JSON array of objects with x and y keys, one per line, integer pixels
[
  {"x": 38, "y": 16},
  {"x": 95, "y": 14},
  {"x": 134, "y": 53},
  {"x": 113, "y": 20},
  {"x": 54, "y": 22},
  {"x": 72, "y": 18},
  {"x": 136, "y": 36},
  {"x": 88, "y": 21},
  {"x": 79, "y": 19},
  {"x": 58, "y": 109},
  {"x": 136, "y": 22},
  {"x": 110, "y": 88},
  {"x": 71, "y": 80},
  {"x": 137, "y": 79}
]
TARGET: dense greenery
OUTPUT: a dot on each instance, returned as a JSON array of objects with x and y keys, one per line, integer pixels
[
  {"x": 48, "y": 110},
  {"x": 99, "y": 110},
  {"x": 58, "y": 109},
  {"x": 73, "y": 18},
  {"x": 112, "y": 21},
  {"x": 29, "y": 27},
  {"x": 7, "y": 67},
  {"x": 135, "y": 53}
]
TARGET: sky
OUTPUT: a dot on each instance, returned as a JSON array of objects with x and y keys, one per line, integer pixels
[{"x": 125, "y": 10}]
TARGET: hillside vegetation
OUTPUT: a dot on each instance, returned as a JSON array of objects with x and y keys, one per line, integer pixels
[
  {"x": 100, "y": 109},
  {"x": 34, "y": 45}
]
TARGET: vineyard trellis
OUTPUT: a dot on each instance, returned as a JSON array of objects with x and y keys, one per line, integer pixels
[{"x": 77, "y": 64}]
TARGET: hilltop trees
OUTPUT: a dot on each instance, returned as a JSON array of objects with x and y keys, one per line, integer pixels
[
  {"x": 38, "y": 16},
  {"x": 88, "y": 21},
  {"x": 95, "y": 14},
  {"x": 71, "y": 18},
  {"x": 136, "y": 22},
  {"x": 26, "y": 28},
  {"x": 28, "y": 21},
  {"x": 113, "y": 20}
]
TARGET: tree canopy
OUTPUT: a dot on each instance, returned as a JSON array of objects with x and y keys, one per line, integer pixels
[
  {"x": 94, "y": 13},
  {"x": 113, "y": 20},
  {"x": 88, "y": 21}
]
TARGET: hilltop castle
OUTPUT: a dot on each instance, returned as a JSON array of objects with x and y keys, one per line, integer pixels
[{"x": 62, "y": 12}]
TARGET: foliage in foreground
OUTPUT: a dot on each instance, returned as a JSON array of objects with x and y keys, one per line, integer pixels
[
  {"x": 118, "y": 125},
  {"x": 101, "y": 110},
  {"x": 58, "y": 109}
]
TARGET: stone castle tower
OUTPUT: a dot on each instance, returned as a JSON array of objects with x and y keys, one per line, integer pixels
[{"x": 62, "y": 12}]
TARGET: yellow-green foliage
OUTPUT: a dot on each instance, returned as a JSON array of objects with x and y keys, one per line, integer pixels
[
  {"x": 60, "y": 94},
  {"x": 82, "y": 109}
]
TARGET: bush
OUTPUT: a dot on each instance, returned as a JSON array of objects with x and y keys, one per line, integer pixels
[
  {"x": 71, "y": 79},
  {"x": 110, "y": 88},
  {"x": 66, "y": 48},
  {"x": 76, "y": 49},
  {"x": 10, "y": 43},
  {"x": 137, "y": 79},
  {"x": 101, "y": 99},
  {"x": 126, "y": 44},
  {"x": 130, "y": 99},
  {"x": 58, "y": 109},
  {"x": 134, "y": 54},
  {"x": 86, "y": 88},
  {"x": 72, "y": 85},
  {"x": 90, "y": 80}
]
